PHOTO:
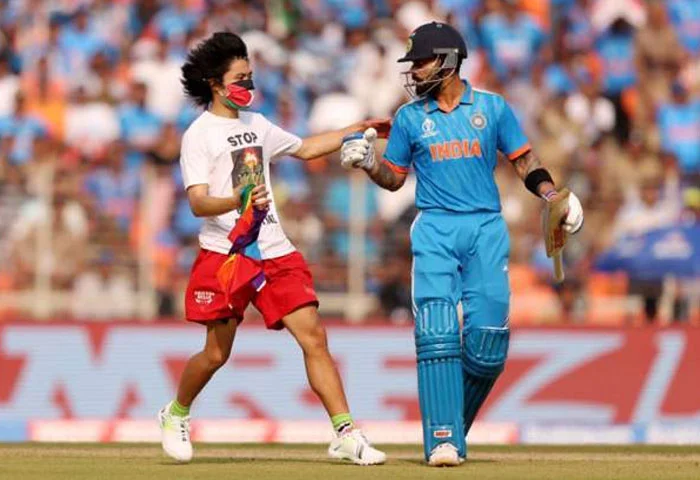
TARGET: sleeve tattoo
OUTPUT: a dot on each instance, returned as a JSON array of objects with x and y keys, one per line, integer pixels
[
  {"x": 525, "y": 164},
  {"x": 385, "y": 177}
]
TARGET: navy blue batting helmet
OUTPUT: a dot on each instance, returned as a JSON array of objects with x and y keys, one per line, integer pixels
[{"x": 433, "y": 39}]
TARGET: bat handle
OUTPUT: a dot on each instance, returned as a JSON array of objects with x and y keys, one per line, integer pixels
[{"x": 558, "y": 268}]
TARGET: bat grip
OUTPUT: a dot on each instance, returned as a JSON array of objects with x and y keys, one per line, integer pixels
[{"x": 558, "y": 268}]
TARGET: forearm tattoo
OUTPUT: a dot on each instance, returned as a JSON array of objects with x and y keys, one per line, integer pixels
[
  {"x": 525, "y": 164},
  {"x": 385, "y": 177},
  {"x": 540, "y": 182}
]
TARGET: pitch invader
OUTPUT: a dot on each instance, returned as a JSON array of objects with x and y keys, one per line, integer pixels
[
  {"x": 225, "y": 151},
  {"x": 450, "y": 134}
]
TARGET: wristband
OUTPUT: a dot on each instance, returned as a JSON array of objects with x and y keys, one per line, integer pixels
[
  {"x": 535, "y": 177},
  {"x": 353, "y": 136}
]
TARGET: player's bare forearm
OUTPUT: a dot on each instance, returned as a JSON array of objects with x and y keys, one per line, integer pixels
[
  {"x": 385, "y": 177},
  {"x": 526, "y": 164}
]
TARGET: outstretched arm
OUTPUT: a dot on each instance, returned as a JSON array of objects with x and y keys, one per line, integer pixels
[{"x": 325, "y": 143}]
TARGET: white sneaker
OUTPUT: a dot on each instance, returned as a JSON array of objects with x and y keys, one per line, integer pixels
[
  {"x": 354, "y": 446},
  {"x": 175, "y": 435},
  {"x": 444, "y": 455}
]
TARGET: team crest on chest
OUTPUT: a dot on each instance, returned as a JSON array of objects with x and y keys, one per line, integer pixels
[
  {"x": 428, "y": 128},
  {"x": 478, "y": 121}
]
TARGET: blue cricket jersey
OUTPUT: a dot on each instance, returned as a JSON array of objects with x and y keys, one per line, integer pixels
[{"x": 454, "y": 154}]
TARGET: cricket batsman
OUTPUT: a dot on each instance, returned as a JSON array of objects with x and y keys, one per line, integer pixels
[
  {"x": 225, "y": 162},
  {"x": 451, "y": 133}
]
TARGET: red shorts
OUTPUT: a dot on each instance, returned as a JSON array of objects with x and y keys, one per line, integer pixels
[{"x": 289, "y": 286}]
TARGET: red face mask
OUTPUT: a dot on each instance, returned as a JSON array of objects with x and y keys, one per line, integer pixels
[{"x": 239, "y": 95}]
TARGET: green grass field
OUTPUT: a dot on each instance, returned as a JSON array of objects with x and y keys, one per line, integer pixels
[{"x": 31, "y": 461}]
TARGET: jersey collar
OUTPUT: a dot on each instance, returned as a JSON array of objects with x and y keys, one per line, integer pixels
[{"x": 430, "y": 104}]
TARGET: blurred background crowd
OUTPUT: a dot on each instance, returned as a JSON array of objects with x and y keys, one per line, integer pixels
[{"x": 94, "y": 222}]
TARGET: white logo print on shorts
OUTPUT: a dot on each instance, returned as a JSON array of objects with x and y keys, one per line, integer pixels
[{"x": 203, "y": 297}]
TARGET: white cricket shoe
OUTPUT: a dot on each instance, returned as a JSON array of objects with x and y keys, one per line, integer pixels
[
  {"x": 175, "y": 435},
  {"x": 354, "y": 446},
  {"x": 444, "y": 455}
]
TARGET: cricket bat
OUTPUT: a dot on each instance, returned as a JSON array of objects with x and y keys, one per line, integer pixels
[{"x": 555, "y": 236}]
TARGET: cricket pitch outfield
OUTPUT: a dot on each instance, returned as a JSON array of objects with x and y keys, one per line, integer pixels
[{"x": 40, "y": 461}]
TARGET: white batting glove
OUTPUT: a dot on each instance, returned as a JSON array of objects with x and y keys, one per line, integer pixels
[
  {"x": 358, "y": 150},
  {"x": 574, "y": 218},
  {"x": 573, "y": 221}
]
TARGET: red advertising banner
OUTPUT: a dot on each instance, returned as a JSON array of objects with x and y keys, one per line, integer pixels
[{"x": 583, "y": 376}]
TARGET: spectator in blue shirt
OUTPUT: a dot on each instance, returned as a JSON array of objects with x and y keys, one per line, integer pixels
[
  {"x": 512, "y": 40},
  {"x": 559, "y": 79},
  {"x": 139, "y": 127},
  {"x": 685, "y": 15},
  {"x": 298, "y": 90},
  {"x": 466, "y": 8},
  {"x": 289, "y": 171},
  {"x": 188, "y": 113},
  {"x": 268, "y": 82},
  {"x": 337, "y": 203},
  {"x": 175, "y": 21},
  {"x": 140, "y": 15},
  {"x": 615, "y": 47},
  {"x": 558, "y": 9},
  {"x": 679, "y": 126},
  {"x": 462, "y": 15},
  {"x": 351, "y": 13},
  {"x": 616, "y": 50},
  {"x": 561, "y": 73},
  {"x": 79, "y": 42},
  {"x": 577, "y": 25},
  {"x": 114, "y": 188},
  {"x": 50, "y": 48},
  {"x": 19, "y": 131}
]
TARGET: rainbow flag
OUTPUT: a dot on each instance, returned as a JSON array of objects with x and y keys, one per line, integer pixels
[{"x": 243, "y": 269}]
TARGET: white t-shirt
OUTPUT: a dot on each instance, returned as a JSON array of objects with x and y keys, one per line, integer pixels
[{"x": 215, "y": 151}]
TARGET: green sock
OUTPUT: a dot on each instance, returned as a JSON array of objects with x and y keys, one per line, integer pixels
[
  {"x": 179, "y": 410},
  {"x": 342, "y": 422}
]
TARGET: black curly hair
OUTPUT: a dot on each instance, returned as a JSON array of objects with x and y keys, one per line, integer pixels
[{"x": 209, "y": 61}]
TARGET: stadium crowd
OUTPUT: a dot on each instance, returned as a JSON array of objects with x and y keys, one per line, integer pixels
[{"x": 91, "y": 114}]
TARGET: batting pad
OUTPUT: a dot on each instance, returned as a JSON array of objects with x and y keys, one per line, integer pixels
[
  {"x": 440, "y": 377},
  {"x": 485, "y": 352}
]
